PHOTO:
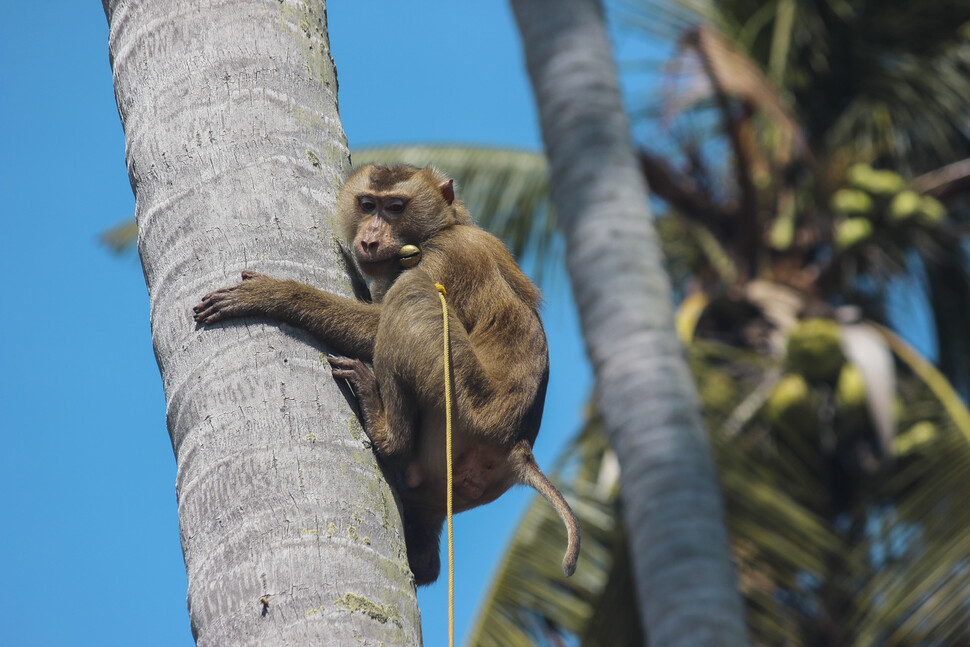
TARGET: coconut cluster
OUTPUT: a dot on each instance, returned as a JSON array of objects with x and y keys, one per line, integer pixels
[
  {"x": 874, "y": 197},
  {"x": 814, "y": 358}
]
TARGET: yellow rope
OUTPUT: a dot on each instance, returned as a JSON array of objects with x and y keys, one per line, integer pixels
[{"x": 450, "y": 486}]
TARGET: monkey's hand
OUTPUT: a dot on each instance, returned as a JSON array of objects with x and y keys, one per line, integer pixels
[{"x": 236, "y": 301}]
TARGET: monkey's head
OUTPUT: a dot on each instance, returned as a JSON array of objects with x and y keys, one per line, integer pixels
[{"x": 382, "y": 209}]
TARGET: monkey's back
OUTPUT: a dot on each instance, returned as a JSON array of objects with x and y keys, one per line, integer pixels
[{"x": 500, "y": 362}]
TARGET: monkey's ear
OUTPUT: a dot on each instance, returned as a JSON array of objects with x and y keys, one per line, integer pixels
[{"x": 447, "y": 189}]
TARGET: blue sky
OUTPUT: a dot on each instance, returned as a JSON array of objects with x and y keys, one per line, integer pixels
[{"x": 89, "y": 527}]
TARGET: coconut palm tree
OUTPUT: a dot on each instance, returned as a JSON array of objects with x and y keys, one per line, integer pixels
[{"x": 291, "y": 534}]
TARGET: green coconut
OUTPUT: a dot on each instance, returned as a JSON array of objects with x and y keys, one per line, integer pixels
[
  {"x": 877, "y": 183},
  {"x": 905, "y": 205},
  {"x": 815, "y": 350},
  {"x": 851, "y": 202},
  {"x": 931, "y": 211},
  {"x": 792, "y": 405},
  {"x": 852, "y": 232},
  {"x": 858, "y": 175}
]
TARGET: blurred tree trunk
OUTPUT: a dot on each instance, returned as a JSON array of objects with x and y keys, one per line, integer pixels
[
  {"x": 672, "y": 503},
  {"x": 235, "y": 152}
]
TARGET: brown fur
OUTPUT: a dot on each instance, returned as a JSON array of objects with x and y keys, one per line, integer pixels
[{"x": 500, "y": 363}]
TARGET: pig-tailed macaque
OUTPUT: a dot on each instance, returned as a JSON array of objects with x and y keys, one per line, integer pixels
[{"x": 407, "y": 232}]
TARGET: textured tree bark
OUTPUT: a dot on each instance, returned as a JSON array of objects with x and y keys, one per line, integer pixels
[
  {"x": 672, "y": 503},
  {"x": 235, "y": 152}
]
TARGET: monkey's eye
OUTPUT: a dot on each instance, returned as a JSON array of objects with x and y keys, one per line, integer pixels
[
  {"x": 394, "y": 206},
  {"x": 367, "y": 204}
]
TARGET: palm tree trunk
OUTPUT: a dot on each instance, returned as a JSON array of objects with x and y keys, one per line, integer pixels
[
  {"x": 672, "y": 503},
  {"x": 235, "y": 152}
]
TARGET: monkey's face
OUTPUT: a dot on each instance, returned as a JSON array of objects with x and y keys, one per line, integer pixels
[
  {"x": 383, "y": 209},
  {"x": 379, "y": 232}
]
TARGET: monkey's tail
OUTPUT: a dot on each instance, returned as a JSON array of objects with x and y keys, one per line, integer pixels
[{"x": 529, "y": 474}]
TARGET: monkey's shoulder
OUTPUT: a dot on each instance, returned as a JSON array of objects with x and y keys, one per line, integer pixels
[
  {"x": 469, "y": 238},
  {"x": 474, "y": 258}
]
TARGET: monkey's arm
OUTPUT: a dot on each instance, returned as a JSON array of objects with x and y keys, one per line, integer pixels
[{"x": 346, "y": 325}]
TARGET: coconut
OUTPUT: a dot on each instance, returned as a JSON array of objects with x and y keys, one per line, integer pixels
[
  {"x": 851, "y": 202},
  {"x": 877, "y": 183},
  {"x": 814, "y": 349},
  {"x": 931, "y": 211},
  {"x": 852, "y": 233},
  {"x": 904, "y": 206},
  {"x": 792, "y": 406}
]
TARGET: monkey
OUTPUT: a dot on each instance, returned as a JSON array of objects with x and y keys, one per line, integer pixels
[{"x": 406, "y": 232}]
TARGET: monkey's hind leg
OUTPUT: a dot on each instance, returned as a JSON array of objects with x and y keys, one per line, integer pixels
[
  {"x": 391, "y": 445},
  {"x": 364, "y": 385}
]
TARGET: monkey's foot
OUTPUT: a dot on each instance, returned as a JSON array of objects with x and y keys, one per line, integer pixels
[
  {"x": 226, "y": 303},
  {"x": 356, "y": 373},
  {"x": 425, "y": 564},
  {"x": 364, "y": 385},
  {"x": 422, "y": 535}
]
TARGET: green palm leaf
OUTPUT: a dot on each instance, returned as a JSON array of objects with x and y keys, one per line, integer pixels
[
  {"x": 894, "y": 566},
  {"x": 121, "y": 238},
  {"x": 915, "y": 552}
]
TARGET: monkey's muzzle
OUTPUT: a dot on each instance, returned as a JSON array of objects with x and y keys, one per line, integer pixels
[{"x": 409, "y": 256}]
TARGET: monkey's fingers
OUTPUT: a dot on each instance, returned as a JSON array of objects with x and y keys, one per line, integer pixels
[
  {"x": 222, "y": 293},
  {"x": 216, "y": 306},
  {"x": 209, "y": 315}
]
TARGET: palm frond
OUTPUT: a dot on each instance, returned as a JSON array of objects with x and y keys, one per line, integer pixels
[
  {"x": 890, "y": 569},
  {"x": 934, "y": 380},
  {"x": 891, "y": 79},
  {"x": 916, "y": 552},
  {"x": 122, "y": 237},
  {"x": 781, "y": 547},
  {"x": 867, "y": 350},
  {"x": 733, "y": 72},
  {"x": 943, "y": 183}
]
